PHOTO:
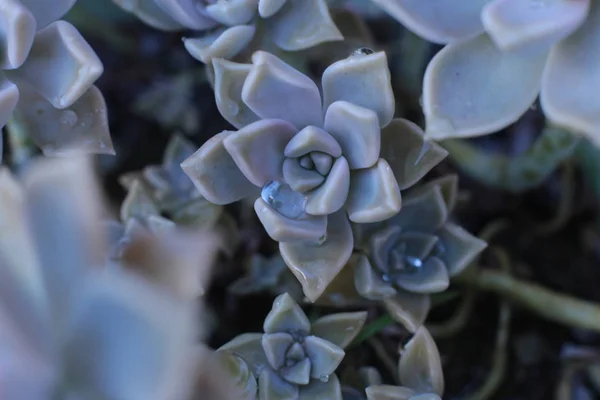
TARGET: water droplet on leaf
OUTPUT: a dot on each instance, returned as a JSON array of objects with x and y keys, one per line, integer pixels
[
  {"x": 68, "y": 118},
  {"x": 324, "y": 378},
  {"x": 363, "y": 51},
  {"x": 284, "y": 199}
]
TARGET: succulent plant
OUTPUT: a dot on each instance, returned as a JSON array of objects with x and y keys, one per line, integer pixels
[
  {"x": 170, "y": 190},
  {"x": 71, "y": 328},
  {"x": 294, "y": 359},
  {"x": 319, "y": 161},
  {"x": 267, "y": 274},
  {"x": 48, "y": 71},
  {"x": 402, "y": 260},
  {"x": 419, "y": 370},
  {"x": 501, "y": 54},
  {"x": 230, "y": 25}
]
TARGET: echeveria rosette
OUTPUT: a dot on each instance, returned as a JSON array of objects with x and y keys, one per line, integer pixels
[
  {"x": 316, "y": 158},
  {"x": 48, "y": 71},
  {"x": 402, "y": 260},
  {"x": 501, "y": 55},
  {"x": 171, "y": 191},
  {"x": 230, "y": 25},
  {"x": 419, "y": 372},
  {"x": 71, "y": 328},
  {"x": 294, "y": 359}
]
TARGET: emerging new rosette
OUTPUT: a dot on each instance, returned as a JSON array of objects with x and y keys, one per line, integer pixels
[
  {"x": 293, "y": 359},
  {"x": 501, "y": 55},
  {"x": 315, "y": 159},
  {"x": 46, "y": 79},
  {"x": 415, "y": 253}
]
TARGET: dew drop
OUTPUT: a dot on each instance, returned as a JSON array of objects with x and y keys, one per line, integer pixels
[
  {"x": 283, "y": 199},
  {"x": 324, "y": 378},
  {"x": 363, "y": 51},
  {"x": 414, "y": 262},
  {"x": 68, "y": 118},
  {"x": 386, "y": 278}
]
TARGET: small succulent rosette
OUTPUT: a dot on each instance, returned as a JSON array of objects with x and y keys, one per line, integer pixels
[
  {"x": 516, "y": 50},
  {"x": 293, "y": 359},
  {"x": 230, "y": 25},
  {"x": 70, "y": 327},
  {"x": 46, "y": 82},
  {"x": 402, "y": 260},
  {"x": 419, "y": 372},
  {"x": 170, "y": 190},
  {"x": 318, "y": 161},
  {"x": 267, "y": 274}
]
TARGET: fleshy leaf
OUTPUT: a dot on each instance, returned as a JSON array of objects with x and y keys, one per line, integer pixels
[
  {"x": 356, "y": 129},
  {"x": 374, "y": 194},
  {"x": 458, "y": 82},
  {"x": 18, "y": 31},
  {"x": 63, "y": 194},
  {"x": 431, "y": 277},
  {"x": 273, "y": 387},
  {"x": 267, "y": 8},
  {"x": 409, "y": 154},
  {"x": 424, "y": 211},
  {"x": 303, "y": 24},
  {"x": 233, "y": 12},
  {"x": 368, "y": 283},
  {"x": 438, "y": 21},
  {"x": 22, "y": 292},
  {"x": 312, "y": 138},
  {"x": 283, "y": 229},
  {"x": 275, "y": 90},
  {"x": 243, "y": 379},
  {"x": 186, "y": 12},
  {"x": 80, "y": 129},
  {"x": 9, "y": 97},
  {"x": 420, "y": 367},
  {"x": 317, "y": 389},
  {"x": 257, "y": 149},
  {"x": 315, "y": 265},
  {"x": 459, "y": 248},
  {"x": 275, "y": 346},
  {"x": 229, "y": 80},
  {"x": 363, "y": 80},
  {"x": 140, "y": 350},
  {"x": 522, "y": 25},
  {"x": 150, "y": 13},
  {"x": 285, "y": 316},
  {"x": 408, "y": 309},
  {"x": 301, "y": 179},
  {"x": 249, "y": 347},
  {"x": 569, "y": 88},
  {"x": 137, "y": 203},
  {"x": 61, "y": 65},
  {"x": 298, "y": 374},
  {"x": 325, "y": 356},
  {"x": 223, "y": 43},
  {"x": 332, "y": 194},
  {"x": 389, "y": 392},
  {"x": 215, "y": 174},
  {"x": 341, "y": 328}
]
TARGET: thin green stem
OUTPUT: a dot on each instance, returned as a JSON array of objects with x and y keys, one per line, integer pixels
[{"x": 543, "y": 302}]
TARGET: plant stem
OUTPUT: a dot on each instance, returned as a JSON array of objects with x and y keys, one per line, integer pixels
[{"x": 551, "y": 305}]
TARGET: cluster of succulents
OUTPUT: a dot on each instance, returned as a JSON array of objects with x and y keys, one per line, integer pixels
[
  {"x": 93, "y": 308},
  {"x": 502, "y": 54}
]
